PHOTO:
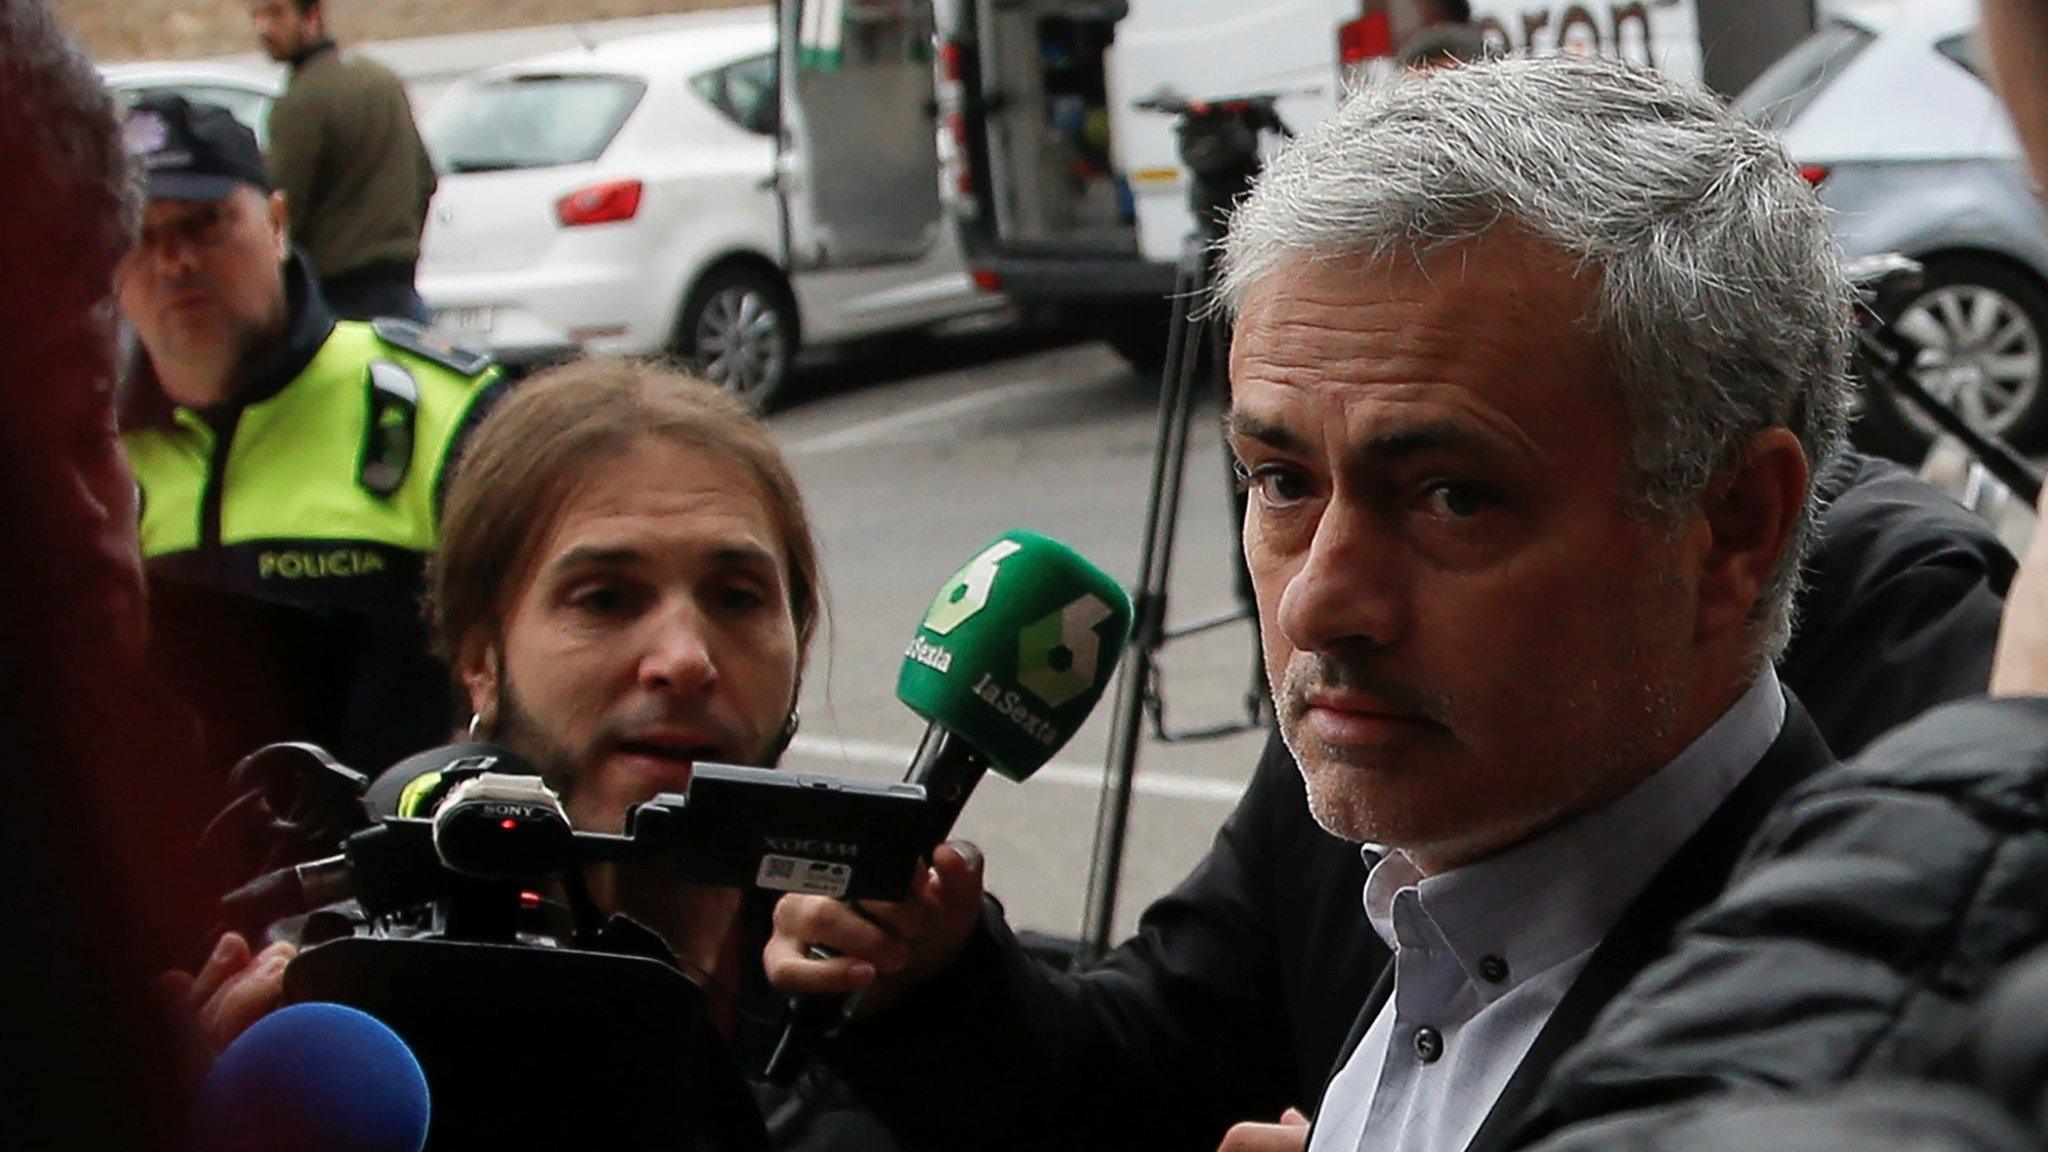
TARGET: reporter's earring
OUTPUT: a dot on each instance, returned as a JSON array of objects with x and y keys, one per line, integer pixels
[
  {"x": 480, "y": 726},
  {"x": 773, "y": 756}
]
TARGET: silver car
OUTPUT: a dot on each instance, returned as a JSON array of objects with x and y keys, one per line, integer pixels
[{"x": 1887, "y": 110}]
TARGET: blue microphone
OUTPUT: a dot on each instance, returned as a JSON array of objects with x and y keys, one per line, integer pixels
[{"x": 313, "y": 1077}]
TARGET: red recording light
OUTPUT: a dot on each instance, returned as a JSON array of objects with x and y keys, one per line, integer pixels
[
  {"x": 1813, "y": 174},
  {"x": 986, "y": 280},
  {"x": 600, "y": 204},
  {"x": 1368, "y": 37},
  {"x": 508, "y": 824}
]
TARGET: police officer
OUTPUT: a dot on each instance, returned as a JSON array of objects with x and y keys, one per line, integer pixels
[{"x": 290, "y": 464}]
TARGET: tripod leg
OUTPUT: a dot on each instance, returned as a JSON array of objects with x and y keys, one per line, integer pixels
[{"x": 1162, "y": 513}]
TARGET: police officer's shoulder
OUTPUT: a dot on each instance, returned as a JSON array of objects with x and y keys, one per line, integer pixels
[{"x": 408, "y": 336}]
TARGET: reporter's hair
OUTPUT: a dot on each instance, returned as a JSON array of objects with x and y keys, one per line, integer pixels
[
  {"x": 1720, "y": 296},
  {"x": 524, "y": 461}
]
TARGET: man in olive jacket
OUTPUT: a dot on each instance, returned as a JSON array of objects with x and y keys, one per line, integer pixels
[{"x": 349, "y": 160}]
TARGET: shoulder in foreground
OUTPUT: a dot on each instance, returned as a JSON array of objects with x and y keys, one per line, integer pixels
[{"x": 408, "y": 336}]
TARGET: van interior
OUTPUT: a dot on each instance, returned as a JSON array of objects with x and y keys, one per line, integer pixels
[{"x": 1056, "y": 186}]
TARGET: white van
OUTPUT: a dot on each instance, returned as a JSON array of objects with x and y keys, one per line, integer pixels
[{"x": 1065, "y": 194}]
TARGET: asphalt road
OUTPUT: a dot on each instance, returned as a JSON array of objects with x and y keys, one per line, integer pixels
[{"x": 913, "y": 459}]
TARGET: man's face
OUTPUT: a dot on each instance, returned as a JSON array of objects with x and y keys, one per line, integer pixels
[
  {"x": 205, "y": 284},
  {"x": 284, "y": 30},
  {"x": 1469, "y": 633},
  {"x": 652, "y": 631}
]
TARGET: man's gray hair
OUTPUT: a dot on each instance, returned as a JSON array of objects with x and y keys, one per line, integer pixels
[{"x": 1720, "y": 294}]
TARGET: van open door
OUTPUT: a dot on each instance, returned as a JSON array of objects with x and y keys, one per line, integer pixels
[{"x": 858, "y": 160}]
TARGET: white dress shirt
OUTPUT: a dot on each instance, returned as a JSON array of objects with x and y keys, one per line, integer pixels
[{"x": 1484, "y": 953}]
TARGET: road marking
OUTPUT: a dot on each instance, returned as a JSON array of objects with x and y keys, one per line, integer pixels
[
  {"x": 1065, "y": 774},
  {"x": 891, "y": 426}
]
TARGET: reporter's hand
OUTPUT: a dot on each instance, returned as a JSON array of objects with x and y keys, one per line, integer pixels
[
  {"x": 1289, "y": 1135},
  {"x": 235, "y": 988},
  {"x": 883, "y": 950},
  {"x": 2020, "y": 667}
]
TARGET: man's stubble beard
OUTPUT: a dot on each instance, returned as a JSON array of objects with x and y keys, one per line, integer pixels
[{"x": 1619, "y": 720}]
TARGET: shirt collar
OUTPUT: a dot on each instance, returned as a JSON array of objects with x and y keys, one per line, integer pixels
[
  {"x": 323, "y": 45},
  {"x": 1554, "y": 896}
]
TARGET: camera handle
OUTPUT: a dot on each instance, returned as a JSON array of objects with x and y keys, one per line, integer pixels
[{"x": 1220, "y": 145}]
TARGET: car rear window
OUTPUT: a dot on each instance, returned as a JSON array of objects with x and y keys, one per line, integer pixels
[
  {"x": 529, "y": 121},
  {"x": 1964, "y": 49},
  {"x": 743, "y": 92},
  {"x": 1776, "y": 98}
]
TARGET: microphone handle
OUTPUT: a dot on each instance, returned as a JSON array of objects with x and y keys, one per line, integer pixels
[{"x": 948, "y": 768}]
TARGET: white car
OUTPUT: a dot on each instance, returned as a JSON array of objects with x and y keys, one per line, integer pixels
[
  {"x": 1887, "y": 111},
  {"x": 644, "y": 196},
  {"x": 247, "y": 93}
]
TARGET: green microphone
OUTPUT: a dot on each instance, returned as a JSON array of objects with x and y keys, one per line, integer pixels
[{"x": 1007, "y": 663}]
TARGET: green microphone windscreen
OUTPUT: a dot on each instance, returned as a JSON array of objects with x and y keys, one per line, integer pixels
[{"x": 1016, "y": 649}]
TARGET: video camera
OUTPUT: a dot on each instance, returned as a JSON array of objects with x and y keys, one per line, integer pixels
[
  {"x": 1219, "y": 141},
  {"x": 536, "y": 1036}
]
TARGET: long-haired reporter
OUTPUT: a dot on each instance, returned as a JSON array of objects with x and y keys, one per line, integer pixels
[
  {"x": 93, "y": 884},
  {"x": 626, "y": 585}
]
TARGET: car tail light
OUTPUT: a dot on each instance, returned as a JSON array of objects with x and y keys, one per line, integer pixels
[
  {"x": 600, "y": 204},
  {"x": 956, "y": 169},
  {"x": 987, "y": 280},
  {"x": 1365, "y": 48},
  {"x": 1369, "y": 37},
  {"x": 1814, "y": 174}
]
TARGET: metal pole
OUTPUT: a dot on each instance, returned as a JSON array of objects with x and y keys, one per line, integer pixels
[{"x": 1162, "y": 513}]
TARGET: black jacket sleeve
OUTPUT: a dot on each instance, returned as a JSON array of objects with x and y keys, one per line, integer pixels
[
  {"x": 1872, "y": 910},
  {"x": 1222, "y": 1007},
  {"x": 1850, "y": 1118},
  {"x": 1900, "y": 605}
]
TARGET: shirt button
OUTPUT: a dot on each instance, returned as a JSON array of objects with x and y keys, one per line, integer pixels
[
  {"x": 1493, "y": 969},
  {"x": 1429, "y": 1044}
]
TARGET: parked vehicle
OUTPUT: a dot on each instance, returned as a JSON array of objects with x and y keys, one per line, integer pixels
[
  {"x": 1066, "y": 194},
  {"x": 645, "y": 196},
  {"x": 247, "y": 93},
  {"x": 1887, "y": 110}
]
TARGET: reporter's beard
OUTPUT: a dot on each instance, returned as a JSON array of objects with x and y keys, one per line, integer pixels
[
  {"x": 513, "y": 727},
  {"x": 694, "y": 920}
]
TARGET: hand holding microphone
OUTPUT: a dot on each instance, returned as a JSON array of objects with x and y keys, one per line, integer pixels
[
  {"x": 1006, "y": 665},
  {"x": 880, "y": 950}
]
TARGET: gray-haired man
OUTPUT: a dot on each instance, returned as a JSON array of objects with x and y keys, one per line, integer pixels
[{"x": 1533, "y": 364}]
